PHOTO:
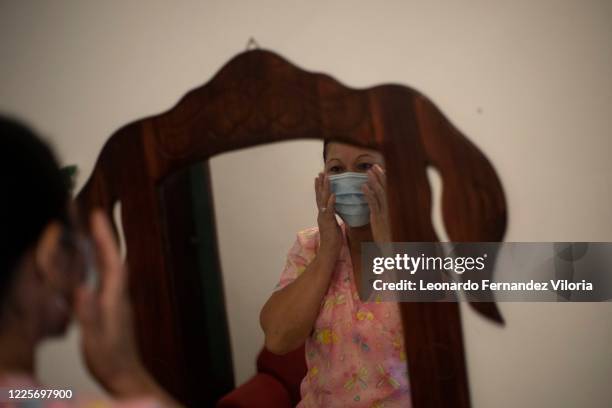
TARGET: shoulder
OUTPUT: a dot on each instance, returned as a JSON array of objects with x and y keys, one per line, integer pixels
[
  {"x": 306, "y": 243},
  {"x": 307, "y": 240}
]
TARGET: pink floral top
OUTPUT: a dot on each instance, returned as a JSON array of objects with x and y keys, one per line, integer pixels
[
  {"x": 23, "y": 382},
  {"x": 355, "y": 354}
]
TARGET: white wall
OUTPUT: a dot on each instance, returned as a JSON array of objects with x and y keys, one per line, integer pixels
[{"x": 528, "y": 81}]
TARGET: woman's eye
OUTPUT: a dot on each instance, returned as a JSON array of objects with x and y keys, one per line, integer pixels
[
  {"x": 364, "y": 166},
  {"x": 335, "y": 169}
]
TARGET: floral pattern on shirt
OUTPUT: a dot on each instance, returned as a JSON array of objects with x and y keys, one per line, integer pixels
[{"x": 355, "y": 354}]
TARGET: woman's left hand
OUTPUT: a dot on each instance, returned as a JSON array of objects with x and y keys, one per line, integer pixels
[
  {"x": 108, "y": 340},
  {"x": 375, "y": 191}
]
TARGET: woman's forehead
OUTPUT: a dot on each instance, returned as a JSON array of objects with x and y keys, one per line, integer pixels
[{"x": 348, "y": 152}]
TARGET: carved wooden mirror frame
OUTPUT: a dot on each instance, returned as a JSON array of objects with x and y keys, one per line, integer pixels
[{"x": 257, "y": 98}]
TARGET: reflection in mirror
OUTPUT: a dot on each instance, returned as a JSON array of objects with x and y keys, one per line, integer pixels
[{"x": 264, "y": 198}]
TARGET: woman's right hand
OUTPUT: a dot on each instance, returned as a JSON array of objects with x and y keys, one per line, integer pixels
[
  {"x": 329, "y": 229},
  {"x": 288, "y": 317}
]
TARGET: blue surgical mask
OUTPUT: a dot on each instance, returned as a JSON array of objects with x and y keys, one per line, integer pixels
[{"x": 351, "y": 205}]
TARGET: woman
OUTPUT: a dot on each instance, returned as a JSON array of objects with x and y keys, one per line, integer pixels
[
  {"x": 354, "y": 350},
  {"x": 43, "y": 282}
]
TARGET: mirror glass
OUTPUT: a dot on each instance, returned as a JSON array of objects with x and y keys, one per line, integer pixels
[{"x": 261, "y": 198}]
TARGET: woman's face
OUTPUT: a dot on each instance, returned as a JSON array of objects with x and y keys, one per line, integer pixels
[
  {"x": 59, "y": 265},
  {"x": 342, "y": 157},
  {"x": 65, "y": 272}
]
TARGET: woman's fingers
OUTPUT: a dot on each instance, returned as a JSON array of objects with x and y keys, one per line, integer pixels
[
  {"x": 331, "y": 202},
  {"x": 326, "y": 188},
  {"x": 378, "y": 182},
  {"x": 380, "y": 175},
  {"x": 371, "y": 199},
  {"x": 323, "y": 191},
  {"x": 85, "y": 308},
  {"x": 321, "y": 198},
  {"x": 374, "y": 182},
  {"x": 325, "y": 185},
  {"x": 376, "y": 189},
  {"x": 112, "y": 273}
]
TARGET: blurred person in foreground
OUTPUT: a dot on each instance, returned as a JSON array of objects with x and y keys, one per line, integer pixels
[{"x": 43, "y": 283}]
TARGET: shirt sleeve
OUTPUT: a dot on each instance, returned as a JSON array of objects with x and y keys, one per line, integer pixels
[{"x": 300, "y": 255}]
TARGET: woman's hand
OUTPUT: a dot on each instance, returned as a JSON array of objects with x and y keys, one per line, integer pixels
[
  {"x": 375, "y": 191},
  {"x": 288, "y": 317},
  {"x": 107, "y": 337},
  {"x": 329, "y": 230}
]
